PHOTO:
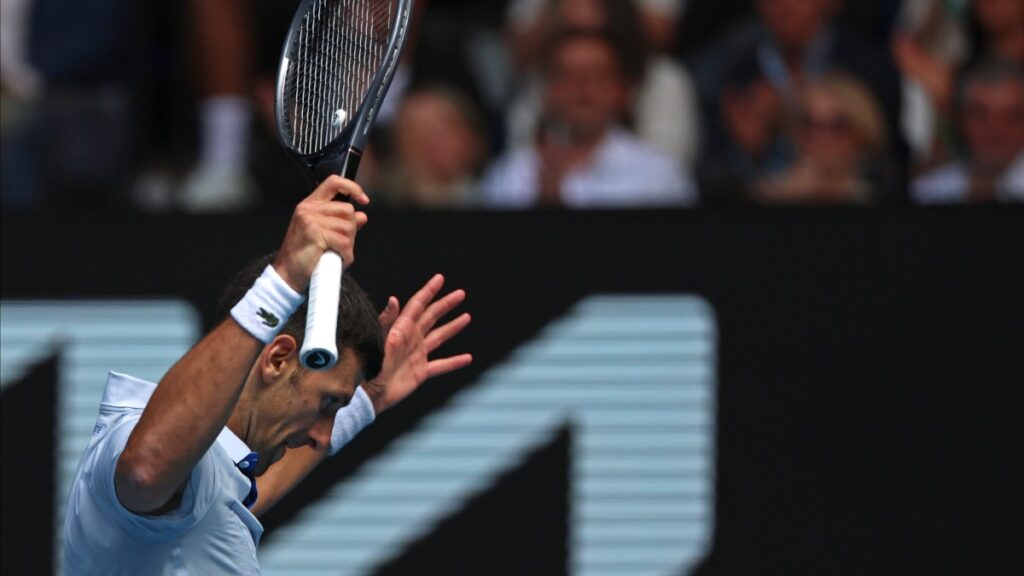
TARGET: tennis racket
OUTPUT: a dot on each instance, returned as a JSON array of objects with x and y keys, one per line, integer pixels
[{"x": 338, "y": 61}]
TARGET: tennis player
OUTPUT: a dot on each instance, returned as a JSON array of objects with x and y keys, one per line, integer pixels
[{"x": 176, "y": 473}]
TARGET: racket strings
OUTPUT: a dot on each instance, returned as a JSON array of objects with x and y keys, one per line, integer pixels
[{"x": 335, "y": 57}]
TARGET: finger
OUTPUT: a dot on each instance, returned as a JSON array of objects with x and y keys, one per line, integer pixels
[
  {"x": 446, "y": 365},
  {"x": 336, "y": 209},
  {"x": 327, "y": 189},
  {"x": 421, "y": 299},
  {"x": 343, "y": 244},
  {"x": 445, "y": 332},
  {"x": 335, "y": 226},
  {"x": 389, "y": 314},
  {"x": 352, "y": 190},
  {"x": 439, "y": 309},
  {"x": 343, "y": 211},
  {"x": 335, "y": 185}
]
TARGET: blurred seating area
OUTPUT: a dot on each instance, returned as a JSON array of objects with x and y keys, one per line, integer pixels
[{"x": 521, "y": 104}]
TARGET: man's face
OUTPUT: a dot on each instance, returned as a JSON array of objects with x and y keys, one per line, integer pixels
[
  {"x": 993, "y": 122},
  {"x": 298, "y": 409},
  {"x": 794, "y": 23},
  {"x": 585, "y": 87}
]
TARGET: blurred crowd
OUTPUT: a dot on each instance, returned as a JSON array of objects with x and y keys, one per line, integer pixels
[{"x": 516, "y": 104}]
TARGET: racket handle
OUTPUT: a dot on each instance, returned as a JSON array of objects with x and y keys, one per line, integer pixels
[{"x": 319, "y": 348}]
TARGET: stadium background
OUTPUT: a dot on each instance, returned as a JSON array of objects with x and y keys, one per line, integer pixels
[
  {"x": 820, "y": 391},
  {"x": 868, "y": 372}
]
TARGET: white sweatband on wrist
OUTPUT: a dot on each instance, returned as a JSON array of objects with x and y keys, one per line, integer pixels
[
  {"x": 266, "y": 307},
  {"x": 351, "y": 419}
]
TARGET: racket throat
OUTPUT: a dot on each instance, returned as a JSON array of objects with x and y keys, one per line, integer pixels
[{"x": 346, "y": 164}]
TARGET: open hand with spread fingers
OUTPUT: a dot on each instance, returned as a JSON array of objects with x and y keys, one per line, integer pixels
[{"x": 411, "y": 335}]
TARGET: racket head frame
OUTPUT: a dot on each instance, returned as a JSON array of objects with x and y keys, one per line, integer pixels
[{"x": 342, "y": 154}]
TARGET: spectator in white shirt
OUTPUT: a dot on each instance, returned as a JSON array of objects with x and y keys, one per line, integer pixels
[
  {"x": 663, "y": 109},
  {"x": 581, "y": 157},
  {"x": 990, "y": 111}
]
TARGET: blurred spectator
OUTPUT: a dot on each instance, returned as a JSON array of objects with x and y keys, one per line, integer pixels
[
  {"x": 663, "y": 109},
  {"x": 67, "y": 79},
  {"x": 998, "y": 30},
  {"x": 990, "y": 109},
  {"x": 930, "y": 40},
  {"x": 222, "y": 31},
  {"x": 661, "y": 21},
  {"x": 17, "y": 75},
  {"x": 439, "y": 148},
  {"x": 750, "y": 81},
  {"x": 933, "y": 45},
  {"x": 841, "y": 138},
  {"x": 581, "y": 157}
]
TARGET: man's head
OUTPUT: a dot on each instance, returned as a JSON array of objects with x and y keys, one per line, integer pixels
[
  {"x": 991, "y": 111},
  {"x": 283, "y": 405},
  {"x": 586, "y": 89}
]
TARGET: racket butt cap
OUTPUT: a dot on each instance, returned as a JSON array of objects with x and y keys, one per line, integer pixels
[{"x": 319, "y": 359}]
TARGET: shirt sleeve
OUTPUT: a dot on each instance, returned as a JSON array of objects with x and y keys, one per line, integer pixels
[{"x": 199, "y": 493}]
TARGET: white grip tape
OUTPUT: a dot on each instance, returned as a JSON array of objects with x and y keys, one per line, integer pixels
[
  {"x": 266, "y": 307},
  {"x": 319, "y": 348}
]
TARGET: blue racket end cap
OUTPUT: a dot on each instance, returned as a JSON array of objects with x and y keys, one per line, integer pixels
[{"x": 318, "y": 359}]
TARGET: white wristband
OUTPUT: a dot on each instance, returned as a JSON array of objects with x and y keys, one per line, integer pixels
[
  {"x": 266, "y": 307},
  {"x": 351, "y": 419}
]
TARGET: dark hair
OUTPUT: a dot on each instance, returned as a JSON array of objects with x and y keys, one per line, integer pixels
[{"x": 358, "y": 327}]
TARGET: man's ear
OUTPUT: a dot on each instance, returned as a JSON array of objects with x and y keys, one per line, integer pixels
[{"x": 277, "y": 357}]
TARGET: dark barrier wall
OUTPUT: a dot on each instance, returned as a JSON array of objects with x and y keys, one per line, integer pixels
[{"x": 870, "y": 363}]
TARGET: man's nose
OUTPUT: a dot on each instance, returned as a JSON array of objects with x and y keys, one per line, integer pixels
[{"x": 320, "y": 433}]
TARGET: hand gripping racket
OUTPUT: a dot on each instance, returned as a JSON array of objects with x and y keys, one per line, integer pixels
[{"x": 336, "y": 66}]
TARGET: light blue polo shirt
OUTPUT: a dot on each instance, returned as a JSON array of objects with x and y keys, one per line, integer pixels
[{"x": 211, "y": 532}]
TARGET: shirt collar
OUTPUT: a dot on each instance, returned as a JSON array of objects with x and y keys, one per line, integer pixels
[
  {"x": 124, "y": 391},
  {"x": 237, "y": 449}
]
